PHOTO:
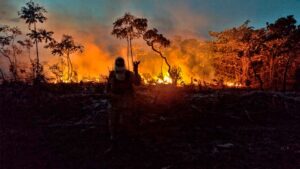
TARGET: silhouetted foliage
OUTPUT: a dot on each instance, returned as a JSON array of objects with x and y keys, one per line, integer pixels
[
  {"x": 243, "y": 42},
  {"x": 281, "y": 38},
  {"x": 129, "y": 27},
  {"x": 270, "y": 51},
  {"x": 157, "y": 41},
  {"x": 33, "y": 13}
]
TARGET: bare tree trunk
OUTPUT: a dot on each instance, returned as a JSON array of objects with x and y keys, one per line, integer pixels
[
  {"x": 131, "y": 53},
  {"x": 286, "y": 70},
  {"x": 14, "y": 64},
  {"x": 32, "y": 63},
  {"x": 161, "y": 67},
  {"x": 255, "y": 74},
  {"x": 68, "y": 72},
  {"x": 71, "y": 67},
  {"x": 271, "y": 75},
  {"x": 128, "y": 66},
  {"x": 245, "y": 69},
  {"x": 164, "y": 58},
  {"x": 62, "y": 63},
  {"x": 37, "y": 55}
]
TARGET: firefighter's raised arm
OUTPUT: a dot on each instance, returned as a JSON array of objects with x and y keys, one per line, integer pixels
[{"x": 136, "y": 78}]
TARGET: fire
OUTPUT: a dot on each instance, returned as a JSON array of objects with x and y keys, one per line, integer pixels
[
  {"x": 232, "y": 84},
  {"x": 98, "y": 58},
  {"x": 153, "y": 80},
  {"x": 164, "y": 80},
  {"x": 189, "y": 54}
]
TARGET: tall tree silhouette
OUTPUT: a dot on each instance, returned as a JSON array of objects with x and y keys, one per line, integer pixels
[
  {"x": 282, "y": 40},
  {"x": 129, "y": 27},
  {"x": 293, "y": 46},
  {"x": 33, "y": 13},
  {"x": 65, "y": 48},
  {"x": 39, "y": 36},
  {"x": 276, "y": 36},
  {"x": 157, "y": 41}
]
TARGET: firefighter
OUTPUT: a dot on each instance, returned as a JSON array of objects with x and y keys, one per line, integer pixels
[{"x": 120, "y": 88}]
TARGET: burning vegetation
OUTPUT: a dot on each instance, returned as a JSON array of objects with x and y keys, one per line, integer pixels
[{"x": 243, "y": 57}]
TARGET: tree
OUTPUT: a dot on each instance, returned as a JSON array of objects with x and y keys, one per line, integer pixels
[
  {"x": 66, "y": 48},
  {"x": 129, "y": 27},
  {"x": 157, "y": 41},
  {"x": 33, "y": 13},
  {"x": 9, "y": 48},
  {"x": 227, "y": 43},
  {"x": 244, "y": 43},
  {"x": 282, "y": 40},
  {"x": 38, "y": 37},
  {"x": 292, "y": 46},
  {"x": 276, "y": 37},
  {"x": 253, "y": 43}
]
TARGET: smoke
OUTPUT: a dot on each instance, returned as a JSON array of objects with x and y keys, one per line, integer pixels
[
  {"x": 93, "y": 31},
  {"x": 8, "y": 12},
  {"x": 193, "y": 56},
  {"x": 5, "y": 9}
]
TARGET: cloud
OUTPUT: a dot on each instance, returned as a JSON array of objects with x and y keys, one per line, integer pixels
[{"x": 8, "y": 11}]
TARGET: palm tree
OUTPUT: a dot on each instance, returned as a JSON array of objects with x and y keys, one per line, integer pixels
[
  {"x": 46, "y": 35},
  {"x": 33, "y": 13},
  {"x": 129, "y": 27},
  {"x": 40, "y": 36}
]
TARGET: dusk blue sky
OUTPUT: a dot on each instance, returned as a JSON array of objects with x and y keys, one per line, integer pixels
[{"x": 195, "y": 17}]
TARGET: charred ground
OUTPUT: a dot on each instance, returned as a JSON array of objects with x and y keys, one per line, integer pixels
[{"x": 65, "y": 126}]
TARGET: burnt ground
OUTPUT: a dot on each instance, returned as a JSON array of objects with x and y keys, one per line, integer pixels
[{"x": 65, "y": 127}]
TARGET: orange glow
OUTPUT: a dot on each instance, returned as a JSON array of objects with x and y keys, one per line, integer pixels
[
  {"x": 100, "y": 50},
  {"x": 232, "y": 84},
  {"x": 165, "y": 80}
]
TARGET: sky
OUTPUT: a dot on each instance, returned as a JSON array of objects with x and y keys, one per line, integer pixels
[
  {"x": 196, "y": 17},
  {"x": 90, "y": 21}
]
